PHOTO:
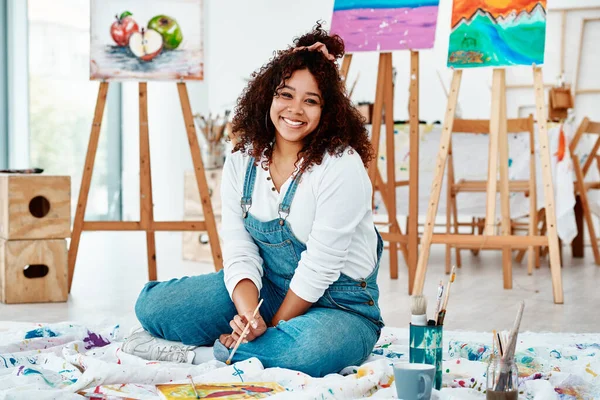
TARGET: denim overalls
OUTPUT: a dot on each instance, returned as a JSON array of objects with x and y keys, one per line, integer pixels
[{"x": 339, "y": 330}]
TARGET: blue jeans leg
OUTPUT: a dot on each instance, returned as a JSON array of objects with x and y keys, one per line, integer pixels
[
  {"x": 318, "y": 343},
  {"x": 193, "y": 310}
]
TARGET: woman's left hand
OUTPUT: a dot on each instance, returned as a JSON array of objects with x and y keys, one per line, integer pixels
[{"x": 238, "y": 323}]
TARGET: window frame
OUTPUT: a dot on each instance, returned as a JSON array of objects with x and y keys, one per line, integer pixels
[
  {"x": 15, "y": 114},
  {"x": 3, "y": 86}
]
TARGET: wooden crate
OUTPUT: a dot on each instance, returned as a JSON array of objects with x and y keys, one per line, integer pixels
[
  {"x": 35, "y": 206},
  {"x": 20, "y": 262},
  {"x": 195, "y": 245},
  {"x": 191, "y": 196}
]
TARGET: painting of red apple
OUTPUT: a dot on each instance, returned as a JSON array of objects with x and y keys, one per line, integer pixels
[
  {"x": 123, "y": 28},
  {"x": 143, "y": 40}
]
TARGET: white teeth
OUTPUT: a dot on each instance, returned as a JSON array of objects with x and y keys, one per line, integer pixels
[{"x": 294, "y": 123}]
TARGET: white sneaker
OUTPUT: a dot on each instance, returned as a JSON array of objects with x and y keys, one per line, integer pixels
[{"x": 148, "y": 347}]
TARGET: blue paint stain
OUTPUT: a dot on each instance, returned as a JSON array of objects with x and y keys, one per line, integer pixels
[
  {"x": 10, "y": 362},
  {"x": 39, "y": 333},
  {"x": 331, "y": 391},
  {"x": 238, "y": 372},
  {"x": 394, "y": 355},
  {"x": 510, "y": 161},
  {"x": 29, "y": 371}
]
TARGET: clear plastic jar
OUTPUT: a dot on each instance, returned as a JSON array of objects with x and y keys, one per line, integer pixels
[{"x": 502, "y": 379}]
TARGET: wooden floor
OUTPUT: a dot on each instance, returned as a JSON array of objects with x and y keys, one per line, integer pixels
[{"x": 111, "y": 271}]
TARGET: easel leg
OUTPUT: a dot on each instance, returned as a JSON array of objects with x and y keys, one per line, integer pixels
[
  {"x": 490, "y": 214},
  {"x": 377, "y": 116},
  {"x": 390, "y": 161},
  {"x": 413, "y": 173},
  {"x": 449, "y": 184},
  {"x": 455, "y": 219},
  {"x": 532, "y": 252},
  {"x": 345, "y": 66},
  {"x": 504, "y": 185},
  {"x": 86, "y": 179},
  {"x": 146, "y": 206},
  {"x": 589, "y": 221},
  {"x": 577, "y": 245},
  {"x": 209, "y": 216},
  {"x": 555, "y": 266},
  {"x": 436, "y": 187}
]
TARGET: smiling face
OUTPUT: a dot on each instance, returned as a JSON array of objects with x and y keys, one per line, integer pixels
[{"x": 296, "y": 107}]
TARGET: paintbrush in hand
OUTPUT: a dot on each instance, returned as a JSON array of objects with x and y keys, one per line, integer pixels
[{"x": 244, "y": 332}]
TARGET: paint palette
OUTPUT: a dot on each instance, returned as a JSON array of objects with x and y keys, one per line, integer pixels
[{"x": 234, "y": 391}]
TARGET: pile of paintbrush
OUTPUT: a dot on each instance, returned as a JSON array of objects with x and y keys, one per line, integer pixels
[
  {"x": 507, "y": 352},
  {"x": 213, "y": 128},
  {"x": 419, "y": 305}
]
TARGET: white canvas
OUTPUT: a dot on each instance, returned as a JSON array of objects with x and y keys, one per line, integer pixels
[{"x": 144, "y": 46}]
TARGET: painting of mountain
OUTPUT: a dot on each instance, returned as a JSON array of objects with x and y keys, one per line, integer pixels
[
  {"x": 385, "y": 25},
  {"x": 494, "y": 33}
]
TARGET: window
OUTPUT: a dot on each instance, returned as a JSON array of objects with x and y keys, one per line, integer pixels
[
  {"x": 62, "y": 101},
  {"x": 3, "y": 87}
]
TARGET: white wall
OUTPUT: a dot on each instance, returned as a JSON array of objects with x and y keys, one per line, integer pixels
[
  {"x": 248, "y": 38},
  {"x": 241, "y": 37}
]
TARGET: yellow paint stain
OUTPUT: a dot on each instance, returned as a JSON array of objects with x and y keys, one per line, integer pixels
[
  {"x": 76, "y": 347},
  {"x": 588, "y": 369},
  {"x": 389, "y": 382},
  {"x": 363, "y": 371}
]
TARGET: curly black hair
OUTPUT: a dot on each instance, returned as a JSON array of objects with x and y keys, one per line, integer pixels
[{"x": 340, "y": 126}]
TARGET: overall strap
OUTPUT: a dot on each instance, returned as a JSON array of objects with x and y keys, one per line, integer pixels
[
  {"x": 246, "y": 201},
  {"x": 284, "y": 207}
]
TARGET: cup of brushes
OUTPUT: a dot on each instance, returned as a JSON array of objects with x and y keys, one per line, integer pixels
[{"x": 426, "y": 336}]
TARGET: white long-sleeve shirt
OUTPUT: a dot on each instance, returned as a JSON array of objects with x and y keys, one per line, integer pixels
[{"x": 331, "y": 213}]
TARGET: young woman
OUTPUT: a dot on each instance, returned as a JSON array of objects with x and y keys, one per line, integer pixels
[{"x": 297, "y": 231}]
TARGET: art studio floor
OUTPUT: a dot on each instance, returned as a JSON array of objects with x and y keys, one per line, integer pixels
[{"x": 111, "y": 270}]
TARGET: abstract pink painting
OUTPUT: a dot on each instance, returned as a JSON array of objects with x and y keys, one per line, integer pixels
[{"x": 385, "y": 25}]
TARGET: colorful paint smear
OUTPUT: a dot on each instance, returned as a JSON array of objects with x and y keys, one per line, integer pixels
[
  {"x": 497, "y": 33},
  {"x": 385, "y": 25},
  {"x": 233, "y": 391}
]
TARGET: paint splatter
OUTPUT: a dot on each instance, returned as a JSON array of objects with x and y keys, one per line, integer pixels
[
  {"x": 589, "y": 370},
  {"x": 29, "y": 371},
  {"x": 238, "y": 372},
  {"x": 94, "y": 340},
  {"x": 40, "y": 333}
]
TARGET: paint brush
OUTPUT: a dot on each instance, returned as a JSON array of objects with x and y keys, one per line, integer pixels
[
  {"x": 505, "y": 378},
  {"x": 500, "y": 346},
  {"x": 439, "y": 300},
  {"x": 418, "y": 308},
  {"x": 442, "y": 313},
  {"x": 244, "y": 332},
  {"x": 193, "y": 386}
]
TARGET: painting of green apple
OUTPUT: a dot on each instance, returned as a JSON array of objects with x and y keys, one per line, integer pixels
[{"x": 144, "y": 40}]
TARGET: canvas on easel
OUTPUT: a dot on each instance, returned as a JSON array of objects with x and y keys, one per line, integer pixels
[
  {"x": 384, "y": 26},
  {"x": 474, "y": 24},
  {"x": 147, "y": 40}
]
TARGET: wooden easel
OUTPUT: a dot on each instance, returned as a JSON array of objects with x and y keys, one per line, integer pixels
[
  {"x": 384, "y": 100},
  {"x": 581, "y": 187},
  {"x": 478, "y": 127},
  {"x": 146, "y": 222},
  {"x": 505, "y": 241}
]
